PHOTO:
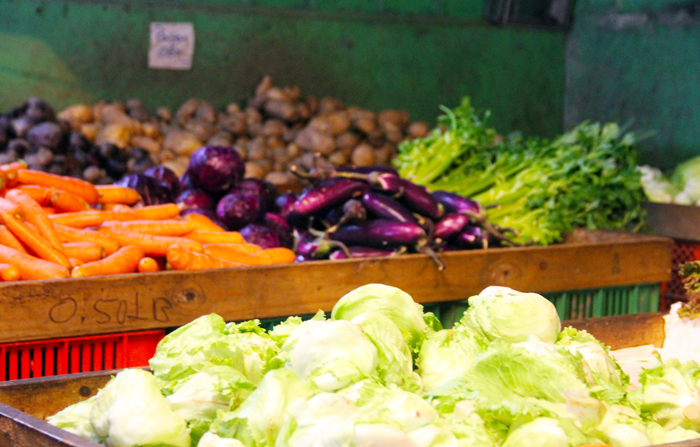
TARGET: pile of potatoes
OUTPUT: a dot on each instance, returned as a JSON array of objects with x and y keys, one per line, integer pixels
[{"x": 276, "y": 129}]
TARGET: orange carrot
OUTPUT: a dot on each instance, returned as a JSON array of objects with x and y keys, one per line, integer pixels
[
  {"x": 76, "y": 186},
  {"x": 180, "y": 258},
  {"x": 109, "y": 206},
  {"x": 40, "y": 246},
  {"x": 277, "y": 255},
  {"x": 75, "y": 262},
  {"x": 243, "y": 248},
  {"x": 11, "y": 207},
  {"x": 9, "y": 240},
  {"x": 203, "y": 223},
  {"x": 125, "y": 260},
  {"x": 37, "y": 217},
  {"x": 158, "y": 212},
  {"x": 66, "y": 202},
  {"x": 117, "y": 194},
  {"x": 48, "y": 210},
  {"x": 82, "y": 219},
  {"x": 40, "y": 194},
  {"x": 208, "y": 237},
  {"x": 9, "y": 272},
  {"x": 148, "y": 265},
  {"x": 85, "y": 251},
  {"x": 121, "y": 208},
  {"x": 151, "y": 245},
  {"x": 30, "y": 267},
  {"x": 70, "y": 234},
  {"x": 229, "y": 254},
  {"x": 9, "y": 172},
  {"x": 155, "y": 227}
]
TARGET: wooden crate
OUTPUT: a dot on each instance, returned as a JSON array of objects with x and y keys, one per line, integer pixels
[
  {"x": 34, "y": 310},
  {"x": 25, "y": 403}
]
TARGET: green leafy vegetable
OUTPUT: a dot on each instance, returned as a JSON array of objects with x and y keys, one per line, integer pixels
[{"x": 76, "y": 419}]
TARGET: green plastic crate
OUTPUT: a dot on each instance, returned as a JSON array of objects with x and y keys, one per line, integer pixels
[{"x": 571, "y": 305}]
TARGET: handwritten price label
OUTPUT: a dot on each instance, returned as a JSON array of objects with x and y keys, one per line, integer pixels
[
  {"x": 172, "y": 46},
  {"x": 113, "y": 310}
]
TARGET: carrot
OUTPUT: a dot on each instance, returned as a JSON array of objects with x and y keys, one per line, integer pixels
[
  {"x": 109, "y": 206},
  {"x": 83, "y": 219},
  {"x": 30, "y": 267},
  {"x": 117, "y": 194},
  {"x": 155, "y": 227},
  {"x": 73, "y": 185},
  {"x": 246, "y": 248},
  {"x": 229, "y": 254},
  {"x": 152, "y": 245},
  {"x": 48, "y": 210},
  {"x": 9, "y": 172},
  {"x": 180, "y": 258},
  {"x": 75, "y": 262},
  {"x": 203, "y": 223},
  {"x": 36, "y": 216},
  {"x": 9, "y": 272},
  {"x": 125, "y": 260},
  {"x": 40, "y": 194},
  {"x": 66, "y": 202},
  {"x": 158, "y": 212},
  {"x": 9, "y": 240},
  {"x": 148, "y": 265},
  {"x": 69, "y": 234},
  {"x": 208, "y": 237},
  {"x": 11, "y": 207},
  {"x": 85, "y": 251},
  {"x": 40, "y": 246},
  {"x": 278, "y": 255},
  {"x": 121, "y": 208}
]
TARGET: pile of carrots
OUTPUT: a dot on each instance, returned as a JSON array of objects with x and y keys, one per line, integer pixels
[{"x": 59, "y": 227}]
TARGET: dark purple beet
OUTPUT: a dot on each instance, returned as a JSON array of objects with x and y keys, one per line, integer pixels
[
  {"x": 264, "y": 191},
  {"x": 238, "y": 209},
  {"x": 186, "y": 181},
  {"x": 196, "y": 199},
  {"x": 166, "y": 176},
  {"x": 260, "y": 235},
  {"x": 152, "y": 191},
  {"x": 216, "y": 168},
  {"x": 276, "y": 223},
  {"x": 48, "y": 134}
]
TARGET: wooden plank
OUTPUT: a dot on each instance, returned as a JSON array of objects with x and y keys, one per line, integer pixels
[
  {"x": 674, "y": 221},
  {"x": 70, "y": 307},
  {"x": 624, "y": 331},
  {"x": 18, "y": 429}
]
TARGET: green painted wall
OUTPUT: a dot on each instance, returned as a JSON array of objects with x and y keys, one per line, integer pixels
[
  {"x": 640, "y": 60},
  {"x": 405, "y": 54}
]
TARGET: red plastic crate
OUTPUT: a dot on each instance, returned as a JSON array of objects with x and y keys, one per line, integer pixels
[
  {"x": 24, "y": 360},
  {"x": 672, "y": 291}
]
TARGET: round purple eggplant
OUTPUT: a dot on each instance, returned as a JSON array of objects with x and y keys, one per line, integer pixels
[
  {"x": 280, "y": 226},
  {"x": 238, "y": 209},
  {"x": 196, "y": 199},
  {"x": 166, "y": 176},
  {"x": 216, "y": 168},
  {"x": 151, "y": 190},
  {"x": 261, "y": 236},
  {"x": 265, "y": 191},
  {"x": 284, "y": 203}
]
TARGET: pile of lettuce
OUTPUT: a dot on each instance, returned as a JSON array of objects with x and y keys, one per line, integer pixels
[
  {"x": 680, "y": 186},
  {"x": 380, "y": 372}
]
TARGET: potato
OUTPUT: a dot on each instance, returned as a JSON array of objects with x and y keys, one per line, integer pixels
[
  {"x": 363, "y": 155},
  {"x": 311, "y": 139},
  {"x": 419, "y": 129},
  {"x": 277, "y": 94},
  {"x": 178, "y": 166},
  {"x": 181, "y": 142},
  {"x": 391, "y": 118},
  {"x": 263, "y": 86},
  {"x": 280, "y": 154},
  {"x": 338, "y": 159},
  {"x": 203, "y": 130},
  {"x": 187, "y": 109},
  {"x": 97, "y": 110},
  {"x": 303, "y": 111},
  {"x": 166, "y": 155},
  {"x": 222, "y": 138},
  {"x": 253, "y": 115},
  {"x": 116, "y": 134},
  {"x": 273, "y": 142},
  {"x": 366, "y": 123},
  {"x": 90, "y": 131},
  {"x": 257, "y": 150},
  {"x": 395, "y": 136},
  {"x": 339, "y": 122},
  {"x": 348, "y": 140},
  {"x": 311, "y": 102},
  {"x": 79, "y": 113},
  {"x": 280, "y": 178},
  {"x": 281, "y": 109},
  {"x": 233, "y": 108},
  {"x": 274, "y": 128},
  {"x": 164, "y": 114},
  {"x": 236, "y": 124},
  {"x": 329, "y": 105},
  {"x": 293, "y": 93},
  {"x": 293, "y": 150},
  {"x": 152, "y": 146},
  {"x": 206, "y": 113},
  {"x": 382, "y": 156},
  {"x": 151, "y": 130}
]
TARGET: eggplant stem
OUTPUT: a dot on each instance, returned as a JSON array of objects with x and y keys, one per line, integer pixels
[
  {"x": 498, "y": 234},
  {"x": 424, "y": 248},
  {"x": 341, "y": 246},
  {"x": 493, "y": 206}
]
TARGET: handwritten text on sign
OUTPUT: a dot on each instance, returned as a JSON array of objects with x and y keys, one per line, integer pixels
[
  {"x": 172, "y": 46},
  {"x": 113, "y": 310}
]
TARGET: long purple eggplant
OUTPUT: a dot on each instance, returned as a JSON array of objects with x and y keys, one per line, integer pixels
[
  {"x": 420, "y": 200},
  {"x": 368, "y": 169},
  {"x": 327, "y": 194},
  {"x": 384, "y": 207},
  {"x": 449, "y": 225},
  {"x": 454, "y": 203},
  {"x": 351, "y": 211},
  {"x": 473, "y": 237},
  {"x": 379, "y": 233},
  {"x": 309, "y": 246},
  {"x": 366, "y": 252}
]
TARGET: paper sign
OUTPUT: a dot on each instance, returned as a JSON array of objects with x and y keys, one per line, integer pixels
[{"x": 172, "y": 46}]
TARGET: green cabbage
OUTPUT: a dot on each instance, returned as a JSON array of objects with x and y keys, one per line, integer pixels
[
  {"x": 130, "y": 411},
  {"x": 212, "y": 440},
  {"x": 503, "y": 313},
  {"x": 660, "y": 435},
  {"x": 394, "y": 303},
  {"x": 76, "y": 419},
  {"x": 621, "y": 427},
  {"x": 542, "y": 432}
]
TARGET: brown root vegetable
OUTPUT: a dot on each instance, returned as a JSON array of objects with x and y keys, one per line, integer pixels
[
  {"x": 313, "y": 140},
  {"x": 278, "y": 166},
  {"x": 338, "y": 159},
  {"x": 203, "y": 130},
  {"x": 116, "y": 134},
  {"x": 293, "y": 150},
  {"x": 382, "y": 156},
  {"x": 283, "y": 110},
  {"x": 329, "y": 105},
  {"x": 79, "y": 113},
  {"x": 308, "y": 160},
  {"x": 376, "y": 138},
  {"x": 255, "y": 129},
  {"x": 290, "y": 135},
  {"x": 394, "y": 136},
  {"x": 311, "y": 103},
  {"x": 347, "y": 140},
  {"x": 321, "y": 124},
  {"x": 235, "y": 123},
  {"x": 273, "y": 142},
  {"x": 233, "y": 109},
  {"x": 254, "y": 170},
  {"x": 264, "y": 85},
  {"x": 419, "y": 129},
  {"x": 181, "y": 142},
  {"x": 166, "y": 155},
  {"x": 293, "y": 93},
  {"x": 256, "y": 149},
  {"x": 363, "y": 155},
  {"x": 152, "y": 146},
  {"x": 280, "y": 179},
  {"x": 178, "y": 166},
  {"x": 164, "y": 114},
  {"x": 303, "y": 112},
  {"x": 221, "y": 138},
  {"x": 339, "y": 122},
  {"x": 277, "y": 94},
  {"x": 206, "y": 113},
  {"x": 274, "y": 128},
  {"x": 240, "y": 148},
  {"x": 280, "y": 155},
  {"x": 187, "y": 109},
  {"x": 90, "y": 131},
  {"x": 366, "y": 123},
  {"x": 151, "y": 130},
  {"x": 253, "y": 115}
]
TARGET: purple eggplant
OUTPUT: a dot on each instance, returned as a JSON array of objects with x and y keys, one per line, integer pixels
[
  {"x": 368, "y": 169},
  {"x": 152, "y": 190},
  {"x": 261, "y": 236},
  {"x": 310, "y": 245},
  {"x": 384, "y": 207},
  {"x": 328, "y": 194},
  {"x": 366, "y": 252},
  {"x": 379, "y": 233},
  {"x": 449, "y": 225},
  {"x": 238, "y": 209},
  {"x": 473, "y": 237},
  {"x": 284, "y": 204},
  {"x": 186, "y": 181},
  {"x": 419, "y": 200},
  {"x": 196, "y": 199},
  {"x": 454, "y": 203},
  {"x": 351, "y": 211},
  {"x": 166, "y": 176},
  {"x": 280, "y": 226},
  {"x": 266, "y": 192},
  {"x": 216, "y": 168}
]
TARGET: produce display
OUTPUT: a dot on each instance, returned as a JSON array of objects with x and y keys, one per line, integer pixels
[
  {"x": 57, "y": 227},
  {"x": 380, "y": 372},
  {"x": 680, "y": 186},
  {"x": 277, "y": 128},
  {"x": 543, "y": 189}
]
